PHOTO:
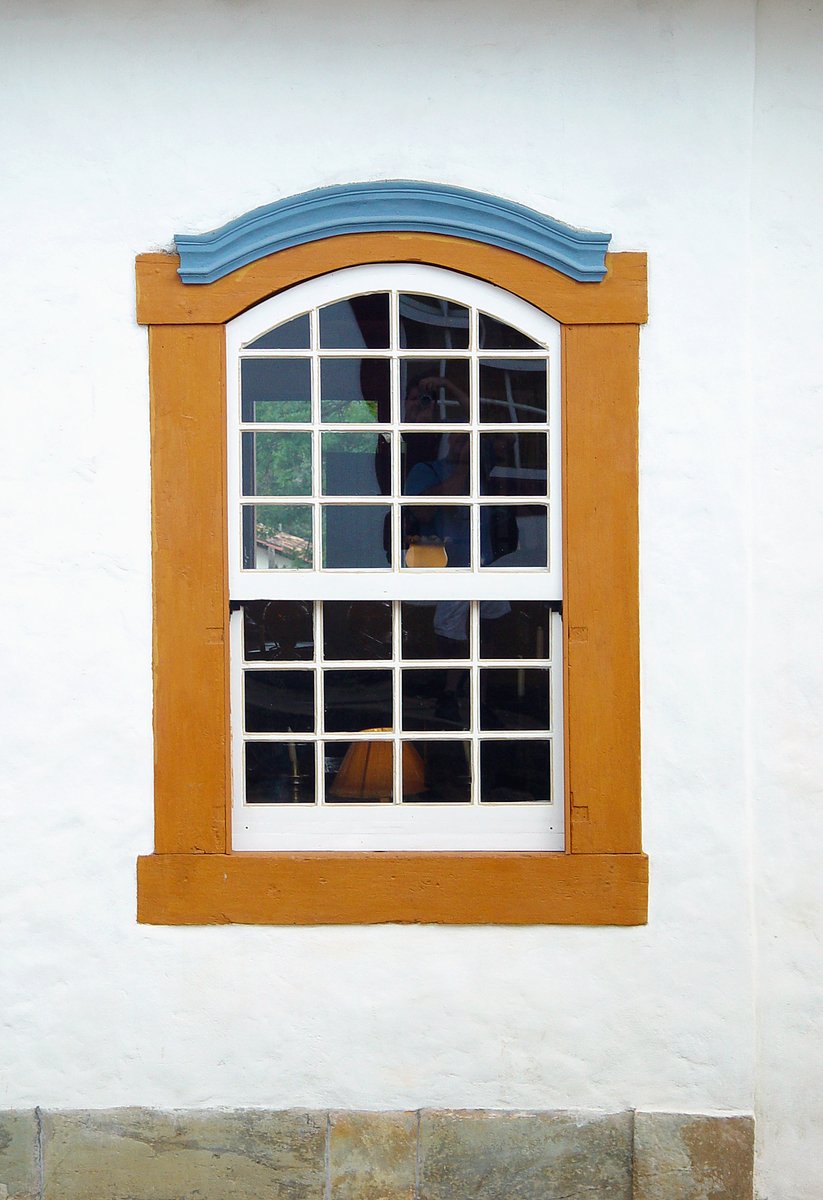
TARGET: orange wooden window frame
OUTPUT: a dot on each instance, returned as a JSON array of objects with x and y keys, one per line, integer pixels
[{"x": 193, "y": 877}]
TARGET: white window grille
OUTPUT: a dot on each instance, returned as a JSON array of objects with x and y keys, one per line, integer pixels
[{"x": 394, "y": 557}]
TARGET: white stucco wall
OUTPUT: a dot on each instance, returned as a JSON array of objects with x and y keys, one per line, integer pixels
[
  {"x": 127, "y": 122},
  {"x": 787, "y": 578}
]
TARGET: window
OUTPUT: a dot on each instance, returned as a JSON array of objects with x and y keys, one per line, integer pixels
[
  {"x": 197, "y": 874},
  {"x": 390, "y": 434}
]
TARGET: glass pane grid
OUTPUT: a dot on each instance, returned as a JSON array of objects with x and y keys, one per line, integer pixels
[
  {"x": 417, "y": 467},
  {"x": 323, "y": 744}
]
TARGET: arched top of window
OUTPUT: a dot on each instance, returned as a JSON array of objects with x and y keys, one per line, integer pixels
[
  {"x": 392, "y": 206},
  {"x": 394, "y": 427}
]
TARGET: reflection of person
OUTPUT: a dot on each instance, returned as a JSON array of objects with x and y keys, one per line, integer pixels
[
  {"x": 421, "y": 398},
  {"x": 451, "y": 627},
  {"x": 437, "y": 465}
]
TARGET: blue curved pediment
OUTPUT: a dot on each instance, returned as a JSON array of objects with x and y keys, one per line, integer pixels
[{"x": 393, "y": 206}]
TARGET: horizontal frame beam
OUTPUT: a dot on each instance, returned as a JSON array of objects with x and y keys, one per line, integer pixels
[
  {"x": 379, "y": 888},
  {"x": 163, "y": 299}
]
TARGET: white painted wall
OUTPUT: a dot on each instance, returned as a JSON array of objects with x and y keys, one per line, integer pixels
[
  {"x": 787, "y": 579},
  {"x": 125, "y": 122}
]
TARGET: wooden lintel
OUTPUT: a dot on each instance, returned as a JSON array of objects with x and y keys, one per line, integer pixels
[{"x": 620, "y": 298}]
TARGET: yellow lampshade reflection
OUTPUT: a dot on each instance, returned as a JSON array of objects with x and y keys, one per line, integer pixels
[
  {"x": 366, "y": 771},
  {"x": 423, "y": 552}
]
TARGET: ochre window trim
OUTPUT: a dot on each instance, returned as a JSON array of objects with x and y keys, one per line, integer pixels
[{"x": 193, "y": 877}]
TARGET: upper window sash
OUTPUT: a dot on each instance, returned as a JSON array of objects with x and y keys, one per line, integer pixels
[{"x": 396, "y": 581}]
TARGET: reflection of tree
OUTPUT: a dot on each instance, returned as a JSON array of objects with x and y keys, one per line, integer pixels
[
  {"x": 282, "y": 464},
  {"x": 284, "y": 518},
  {"x": 281, "y": 410}
]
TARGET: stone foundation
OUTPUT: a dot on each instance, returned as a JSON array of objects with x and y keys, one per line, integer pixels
[{"x": 251, "y": 1154}]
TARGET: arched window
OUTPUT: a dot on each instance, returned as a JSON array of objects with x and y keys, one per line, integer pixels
[
  {"x": 395, "y": 557},
  {"x": 396, "y": 647}
]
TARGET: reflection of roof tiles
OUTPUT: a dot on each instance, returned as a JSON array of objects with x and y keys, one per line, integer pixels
[{"x": 286, "y": 543}]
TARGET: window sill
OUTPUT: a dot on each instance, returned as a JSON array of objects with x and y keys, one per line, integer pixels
[{"x": 543, "y": 888}]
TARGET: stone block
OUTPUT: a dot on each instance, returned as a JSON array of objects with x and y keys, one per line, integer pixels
[
  {"x": 138, "y": 1154},
  {"x": 525, "y": 1156},
  {"x": 373, "y": 1155},
  {"x": 19, "y": 1174},
  {"x": 678, "y": 1156}
]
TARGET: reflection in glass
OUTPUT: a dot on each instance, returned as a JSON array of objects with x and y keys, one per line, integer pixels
[
  {"x": 436, "y": 699},
  {"x": 429, "y": 321},
  {"x": 513, "y": 391},
  {"x": 514, "y": 698},
  {"x": 515, "y": 772},
  {"x": 359, "y": 772},
  {"x": 446, "y": 771},
  {"x": 276, "y": 464},
  {"x": 278, "y": 630},
  {"x": 362, "y": 321},
  {"x": 275, "y": 389},
  {"x": 436, "y": 535},
  {"x": 517, "y": 535},
  {"x": 355, "y": 389},
  {"x": 356, "y": 464},
  {"x": 499, "y": 533},
  {"x": 355, "y": 629},
  {"x": 494, "y": 335},
  {"x": 520, "y": 632},
  {"x": 291, "y": 335},
  {"x": 357, "y": 700},
  {"x": 434, "y": 391},
  {"x": 279, "y": 701},
  {"x": 435, "y": 463},
  {"x": 279, "y": 773},
  {"x": 356, "y": 535},
  {"x": 435, "y": 629},
  {"x": 277, "y": 537},
  {"x": 513, "y": 464}
]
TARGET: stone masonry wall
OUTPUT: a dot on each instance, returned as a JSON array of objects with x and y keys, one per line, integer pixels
[{"x": 252, "y": 1154}]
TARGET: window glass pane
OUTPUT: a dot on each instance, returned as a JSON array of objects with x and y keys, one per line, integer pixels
[
  {"x": 494, "y": 335},
  {"x": 359, "y": 772},
  {"x": 278, "y": 630},
  {"x": 436, "y": 464},
  {"x": 279, "y": 701},
  {"x": 428, "y": 321},
  {"x": 356, "y": 464},
  {"x": 356, "y": 535},
  {"x": 280, "y": 773},
  {"x": 513, "y": 772},
  {"x": 516, "y": 630},
  {"x": 357, "y": 700},
  {"x": 436, "y": 535},
  {"x": 512, "y": 391},
  {"x": 514, "y": 535},
  {"x": 435, "y": 390},
  {"x": 276, "y": 464},
  {"x": 513, "y": 464},
  {"x": 437, "y": 772},
  {"x": 355, "y": 389},
  {"x": 435, "y": 629},
  {"x": 292, "y": 335},
  {"x": 362, "y": 321},
  {"x": 275, "y": 389},
  {"x": 436, "y": 699},
  {"x": 357, "y": 629},
  {"x": 277, "y": 536},
  {"x": 514, "y": 698}
]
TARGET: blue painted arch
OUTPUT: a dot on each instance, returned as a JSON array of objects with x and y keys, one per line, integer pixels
[{"x": 392, "y": 206}]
